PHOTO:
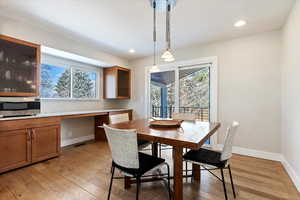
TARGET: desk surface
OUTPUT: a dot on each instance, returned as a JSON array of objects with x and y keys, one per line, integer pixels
[{"x": 65, "y": 115}]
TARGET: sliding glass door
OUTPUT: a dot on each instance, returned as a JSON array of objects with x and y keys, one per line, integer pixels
[
  {"x": 185, "y": 86},
  {"x": 181, "y": 89}
]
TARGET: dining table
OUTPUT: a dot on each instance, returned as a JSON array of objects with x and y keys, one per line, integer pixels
[{"x": 190, "y": 135}]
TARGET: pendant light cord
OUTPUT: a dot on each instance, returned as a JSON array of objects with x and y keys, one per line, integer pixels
[
  {"x": 168, "y": 31},
  {"x": 154, "y": 33}
]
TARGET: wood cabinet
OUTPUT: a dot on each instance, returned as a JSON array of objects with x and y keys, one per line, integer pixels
[
  {"x": 45, "y": 142},
  {"x": 23, "y": 142},
  {"x": 15, "y": 149},
  {"x": 117, "y": 83},
  {"x": 19, "y": 67}
]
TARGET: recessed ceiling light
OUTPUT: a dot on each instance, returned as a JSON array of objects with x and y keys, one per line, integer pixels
[
  {"x": 240, "y": 23},
  {"x": 131, "y": 51}
]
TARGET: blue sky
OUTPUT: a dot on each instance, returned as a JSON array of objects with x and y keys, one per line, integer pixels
[{"x": 55, "y": 72}]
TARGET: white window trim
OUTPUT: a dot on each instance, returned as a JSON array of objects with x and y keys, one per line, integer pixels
[
  {"x": 213, "y": 86},
  {"x": 72, "y": 67}
]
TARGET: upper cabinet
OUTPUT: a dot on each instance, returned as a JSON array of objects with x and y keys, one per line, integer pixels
[
  {"x": 19, "y": 67},
  {"x": 116, "y": 83}
]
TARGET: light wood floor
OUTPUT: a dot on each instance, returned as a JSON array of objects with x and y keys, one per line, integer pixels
[{"x": 82, "y": 173}]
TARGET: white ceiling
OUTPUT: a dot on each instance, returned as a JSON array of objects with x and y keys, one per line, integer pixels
[{"x": 115, "y": 26}]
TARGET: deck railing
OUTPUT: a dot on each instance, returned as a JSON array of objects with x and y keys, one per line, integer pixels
[{"x": 166, "y": 112}]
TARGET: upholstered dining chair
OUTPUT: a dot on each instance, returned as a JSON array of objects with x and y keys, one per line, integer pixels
[
  {"x": 127, "y": 158},
  {"x": 124, "y": 117},
  {"x": 213, "y": 160}
]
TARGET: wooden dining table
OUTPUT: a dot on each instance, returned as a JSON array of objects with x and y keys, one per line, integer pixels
[{"x": 191, "y": 135}]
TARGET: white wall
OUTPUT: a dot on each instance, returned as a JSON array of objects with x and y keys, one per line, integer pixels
[
  {"x": 31, "y": 33},
  {"x": 249, "y": 87},
  {"x": 291, "y": 92},
  {"x": 73, "y": 128}
]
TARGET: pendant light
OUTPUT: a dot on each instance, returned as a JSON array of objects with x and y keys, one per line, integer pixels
[
  {"x": 162, "y": 6},
  {"x": 167, "y": 55}
]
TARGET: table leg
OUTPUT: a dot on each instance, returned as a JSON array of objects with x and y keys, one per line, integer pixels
[
  {"x": 127, "y": 182},
  {"x": 178, "y": 166},
  {"x": 196, "y": 173},
  {"x": 155, "y": 149}
]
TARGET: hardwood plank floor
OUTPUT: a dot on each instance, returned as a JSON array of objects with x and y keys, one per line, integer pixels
[{"x": 82, "y": 173}]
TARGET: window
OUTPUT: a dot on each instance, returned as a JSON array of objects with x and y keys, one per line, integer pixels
[
  {"x": 64, "y": 82},
  {"x": 55, "y": 81}
]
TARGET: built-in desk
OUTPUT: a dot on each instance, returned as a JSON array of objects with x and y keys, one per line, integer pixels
[{"x": 27, "y": 140}]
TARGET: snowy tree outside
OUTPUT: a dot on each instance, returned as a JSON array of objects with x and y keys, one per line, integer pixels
[
  {"x": 83, "y": 84},
  {"x": 194, "y": 88},
  {"x": 63, "y": 85}
]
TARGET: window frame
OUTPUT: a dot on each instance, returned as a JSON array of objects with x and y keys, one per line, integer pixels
[{"x": 74, "y": 67}]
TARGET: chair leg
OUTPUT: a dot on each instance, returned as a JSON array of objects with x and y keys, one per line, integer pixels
[
  {"x": 224, "y": 186},
  {"x": 169, "y": 185},
  {"x": 111, "y": 180},
  {"x": 159, "y": 150},
  {"x": 186, "y": 165},
  {"x": 138, "y": 182},
  {"x": 231, "y": 180}
]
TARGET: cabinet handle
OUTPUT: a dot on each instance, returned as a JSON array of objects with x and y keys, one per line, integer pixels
[
  {"x": 32, "y": 134},
  {"x": 28, "y": 135}
]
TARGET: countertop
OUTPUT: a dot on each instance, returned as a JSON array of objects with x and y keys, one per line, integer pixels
[{"x": 59, "y": 114}]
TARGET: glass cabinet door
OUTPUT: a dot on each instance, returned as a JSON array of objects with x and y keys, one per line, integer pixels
[{"x": 18, "y": 69}]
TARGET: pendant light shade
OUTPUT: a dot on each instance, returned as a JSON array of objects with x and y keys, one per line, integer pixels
[
  {"x": 171, "y": 59},
  {"x": 167, "y": 54}
]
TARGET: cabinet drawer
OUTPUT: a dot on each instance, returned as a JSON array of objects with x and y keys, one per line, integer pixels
[{"x": 28, "y": 123}]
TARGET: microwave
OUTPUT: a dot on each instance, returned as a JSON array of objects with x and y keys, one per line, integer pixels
[{"x": 19, "y": 107}]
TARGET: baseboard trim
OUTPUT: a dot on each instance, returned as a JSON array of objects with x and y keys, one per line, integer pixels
[
  {"x": 292, "y": 173},
  {"x": 68, "y": 142},
  {"x": 268, "y": 156},
  {"x": 255, "y": 153}
]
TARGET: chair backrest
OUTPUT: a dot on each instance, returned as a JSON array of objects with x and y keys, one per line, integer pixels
[
  {"x": 230, "y": 133},
  {"x": 124, "y": 147},
  {"x": 118, "y": 118},
  {"x": 184, "y": 116}
]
